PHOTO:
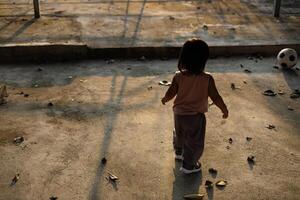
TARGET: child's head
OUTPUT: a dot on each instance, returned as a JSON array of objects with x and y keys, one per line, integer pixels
[{"x": 193, "y": 56}]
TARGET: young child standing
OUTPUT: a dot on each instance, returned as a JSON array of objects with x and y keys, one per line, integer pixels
[{"x": 192, "y": 87}]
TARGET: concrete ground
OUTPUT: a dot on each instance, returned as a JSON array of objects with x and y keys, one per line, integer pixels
[
  {"x": 114, "y": 111},
  {"x": 139, "y": 23}
]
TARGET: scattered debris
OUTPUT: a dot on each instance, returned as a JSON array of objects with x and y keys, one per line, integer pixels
[
  {"x": 103, "y": 160},
  {"x": 247, "y": 71},
  {"x": 208, "y": 184},
  {"x": 205, "y": 27},
  {"x": 251, "y": 160},
  {"x": 26, "y": 95},
  {"x": 165, "y": 83},
  {"x": 3, "y": 93},
  {"x": 142, "y": 58},
  {"x": 221, "y": 183},
  {"x": 171, "y": 18},
  {"x": 281, "y": 92},
  {"x": 83, "y": 80},
  {"x": 18, "y": 140},
  {"x": 230, "y": 140},
  {"x": 295, "y": 94},
  {"x": 241, "y": 65},
  {"x": 39, "y": 69},
  {"x": 15, "y": 179},
  {"x": 270, "y": 93},
  {"x": 232, "y": 86},
  {"x": 248, "y": 138},
  {"x": 275, "y": 67},
  {"x": 150, "y": 88},
  {"x": 112, "y": 177},
  {"x": 193, "y": 196},
  {"x": 212, "y": 171},
  {"x": 290, "y": 108},
  {"x": 50, "y": 104},
  {"x": 271, "y": 126},
  {"x": 53, "y": 198},
  {"x": 110, "y": 61}
]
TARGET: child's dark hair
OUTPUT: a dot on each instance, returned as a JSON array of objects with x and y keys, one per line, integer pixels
[{"x": 193, "y": 56}]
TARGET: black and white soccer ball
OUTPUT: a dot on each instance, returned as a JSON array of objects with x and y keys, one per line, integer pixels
[{"x": 287, "y": 58}]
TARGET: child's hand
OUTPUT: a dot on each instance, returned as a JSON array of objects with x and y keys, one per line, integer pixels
[
  {"x": 163, "y": 101},
  {"x": 225, "y": 114}
]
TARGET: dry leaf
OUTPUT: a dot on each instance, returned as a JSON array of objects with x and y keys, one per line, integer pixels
[{"x": 193, "y": 196}]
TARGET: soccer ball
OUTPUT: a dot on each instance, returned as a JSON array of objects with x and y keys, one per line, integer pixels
[{"x": 287, "y": 58}]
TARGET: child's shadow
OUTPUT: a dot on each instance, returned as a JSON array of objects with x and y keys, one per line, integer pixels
[{"x": 185, "y": 184}]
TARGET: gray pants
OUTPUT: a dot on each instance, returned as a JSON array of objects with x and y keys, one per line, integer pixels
[{"x": 189, "y": 136}]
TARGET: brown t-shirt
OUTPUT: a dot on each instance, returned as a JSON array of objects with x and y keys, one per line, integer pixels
[{"x": 192, "y": 92}]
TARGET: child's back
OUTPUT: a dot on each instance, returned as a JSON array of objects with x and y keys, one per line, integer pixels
[
  {"x": 192, "y": 87},
  {"x": 192, "y": 94}
]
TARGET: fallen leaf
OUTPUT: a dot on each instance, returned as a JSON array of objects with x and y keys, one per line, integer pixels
[
  {"x": 232, "y": 86},
  {"x": 165, "y": 83},
  {"x": 221, "y": 183},
  {"x": 15, "y": 179},
  {"x": 112, "y": 177},
  {"x": 18, "y": 140},
  {"x": 171, "y": 18},
  {"x": 103, "y": 160},
  {"x": 193, "y": 196},
  {"x": 250, "y": 159},
  {"x": 271, "y": 126},
  {"x": 205, "y": 27},
  {"x": 269, "y": 93},
  {"x": 247, "y": 71},
  {"x": 290, "y": 108}
]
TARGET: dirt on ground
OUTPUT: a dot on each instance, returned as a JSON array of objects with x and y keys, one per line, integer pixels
[
  {"x": 150, "y": 23},
  {"x": 112, "y": 109}
]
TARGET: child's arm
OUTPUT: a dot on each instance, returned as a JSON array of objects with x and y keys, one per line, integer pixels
[
  {"x": 216, "y": 98},
  {"x": 171, "y": 92}
]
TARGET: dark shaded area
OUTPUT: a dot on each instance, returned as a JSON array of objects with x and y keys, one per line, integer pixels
[{"x": 185, "y": 184}]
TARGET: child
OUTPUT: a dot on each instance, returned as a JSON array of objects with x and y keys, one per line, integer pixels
[{"x": 192, "y": 87}]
